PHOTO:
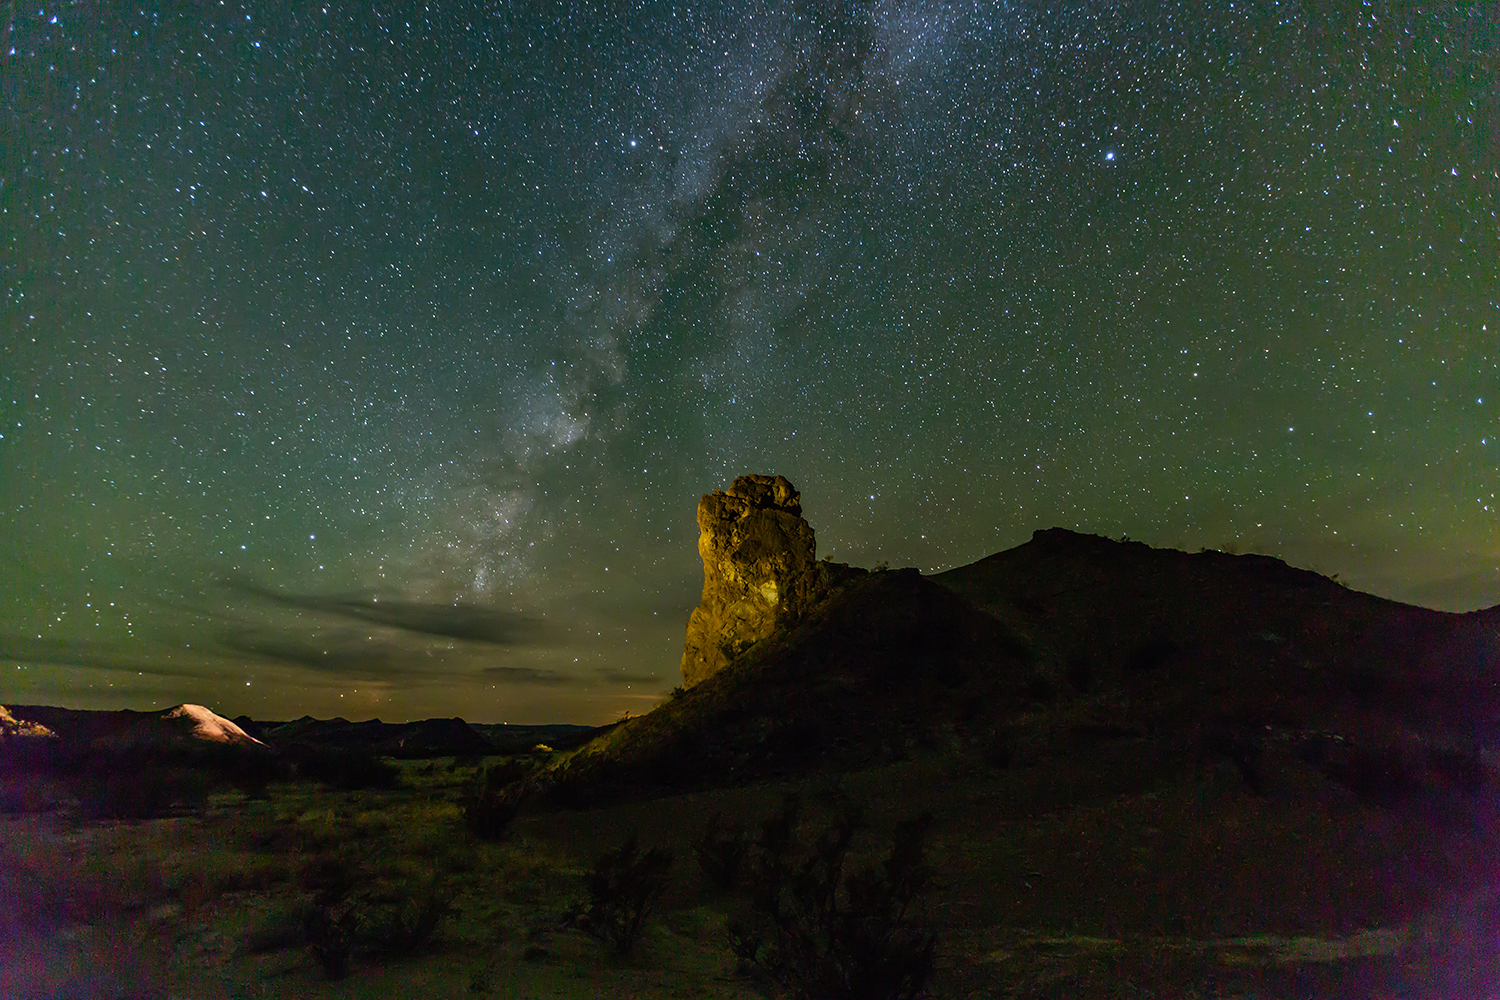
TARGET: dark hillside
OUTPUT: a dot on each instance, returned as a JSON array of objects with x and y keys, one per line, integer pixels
[
  {"x": 1072, "y": 646},
  {"x": 1242, "y": 635},
  {"x": 893, "y": 664}
]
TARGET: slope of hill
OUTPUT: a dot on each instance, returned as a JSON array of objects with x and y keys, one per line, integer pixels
[{"x": 1242, "y": 636}]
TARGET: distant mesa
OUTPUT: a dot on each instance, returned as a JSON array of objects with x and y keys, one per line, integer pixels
[
  {"x": 14, "y": 728},
  {"x": 760, "y": 573}
]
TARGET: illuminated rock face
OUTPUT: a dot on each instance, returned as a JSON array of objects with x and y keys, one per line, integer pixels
[
  {"x": 12, "y": 727},
  {"x": 757, "y": 553}
]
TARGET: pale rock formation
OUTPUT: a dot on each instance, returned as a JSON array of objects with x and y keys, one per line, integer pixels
[
  {"x": 758, "y": 571},
  {"x": 10, "y": 726},
  {"x": 208, "y": 726}
]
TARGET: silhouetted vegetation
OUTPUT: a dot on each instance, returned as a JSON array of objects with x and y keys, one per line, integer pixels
[
  {"x": 332, "y": 921},
  {"x": 494, "y": 804},
  {"x": 823, "y": 932},
  {"x": 722, "y": 852},
  {"x": 347, "y": 914},
  {"x": 408, "y": 923},
  {"x": 330, "y": 938},
  {"x": 1152, "y": 655},
  {"x": 129, "y": 791},
  {"x": 347, "y": 770},
  {"x": 624, "y": 887}
]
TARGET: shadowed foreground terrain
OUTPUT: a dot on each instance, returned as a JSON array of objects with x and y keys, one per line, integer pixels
[{"x": 1149, "y": 773}]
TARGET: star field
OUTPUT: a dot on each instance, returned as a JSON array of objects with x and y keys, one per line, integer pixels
[{"x": 370, "y": 359}]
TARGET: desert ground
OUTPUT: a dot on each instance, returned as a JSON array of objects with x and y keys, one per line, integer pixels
[{"x": 1139, "y": 875}]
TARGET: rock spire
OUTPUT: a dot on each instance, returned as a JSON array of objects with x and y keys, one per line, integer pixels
[{"x": 757, "y": 553}]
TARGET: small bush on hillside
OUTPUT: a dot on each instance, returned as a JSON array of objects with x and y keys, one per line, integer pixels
[
  {"x": 624, "y": 888},
  {"x": 251, "y": 773},
  {"x": 508, "y": 772},
  {"x": 283, "y": 926},
  {"x": 1081, "y": 672},
  {"x": 822, "y": 932},
  {"x": 409, "y": 923},
  {"x": 332, "y": 920},
  {"x": 722, "y": 852},
  {"x": 489, "y": 812},
  {"x": 330, "y": 932},
  {"x": 343, "y": 914}
]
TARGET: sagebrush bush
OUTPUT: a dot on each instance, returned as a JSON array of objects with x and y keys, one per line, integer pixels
[
  {"x": 409, "y": 923},
  {"x": 822, "y": 932},
  {"x": 347, "y": 770},
  {"x": 722, "y": 852},
  {"x": 137, "y": 793},
  {"x": 489, "y": 812},
  {"x": 624, "y": 887},
  {"x": 330, "y": 931},
  {"x": 346, "y": 910}
]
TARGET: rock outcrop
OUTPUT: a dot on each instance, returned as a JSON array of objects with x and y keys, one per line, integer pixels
[
  {"x": 759, "y": 571},
  {"x": 203, "y": 724},
  {"x": 12, "y": 727}
]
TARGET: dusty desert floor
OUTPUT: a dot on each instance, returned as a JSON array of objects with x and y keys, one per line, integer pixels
[{"x": 1118, "y": 876}]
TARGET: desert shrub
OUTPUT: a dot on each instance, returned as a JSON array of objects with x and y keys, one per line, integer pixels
[
  {"x": 722, "y": 851},
  {"x": 1461, "y": 767},
  {"x": 346, "y": 909},
  {"x": 251, "y": 773},
  {"x": 1081, "y": 671},
  {"x": 347, "y": 770},
  {"x": 283, "y": 926},
  {"x": 137, "y": 793},
  {"x": 1454, "y": 951},
  {"x": 248, "y": 875},
  {"x": 1040, "y": 688},
  {"x": 489, "y": 812},
  {"x": 508, "y": 772},
  {"x": 821, "y": 932},
  {"x": 332, "y": 920},
  {"x": 624, "y": 887},
  {"x": 328, "y": 877},
  {"x": 408, "y": 923},
  {"x": 330, "y": 933},
  {"x": 1152, "y": 654}
]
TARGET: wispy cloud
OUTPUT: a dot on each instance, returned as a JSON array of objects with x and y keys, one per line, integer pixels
[
  {"x": 94, "y": 655},
  {"x": 470, "y": 622}
]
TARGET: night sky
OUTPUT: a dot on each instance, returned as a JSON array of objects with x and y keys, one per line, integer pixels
[{"x": 370, "y": 359}]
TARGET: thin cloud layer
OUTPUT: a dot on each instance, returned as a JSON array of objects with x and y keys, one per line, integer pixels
[{"x": 469, "y": 622}]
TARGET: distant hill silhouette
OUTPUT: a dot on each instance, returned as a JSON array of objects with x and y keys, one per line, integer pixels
[
  {"x": 1245, "y": 635},
  {"x": 185, "y": 727}
]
